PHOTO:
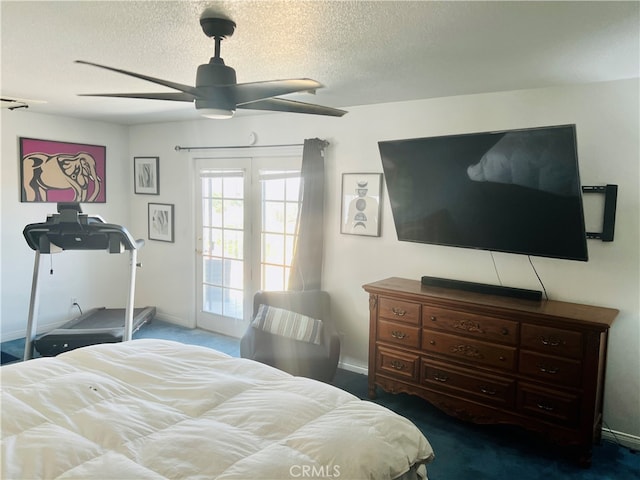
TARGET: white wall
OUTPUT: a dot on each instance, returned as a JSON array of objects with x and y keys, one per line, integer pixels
[
  {"x": 606, "y": 116},
  {"x": 94, "y": 278},
  {"x": 607, "y": 119}
]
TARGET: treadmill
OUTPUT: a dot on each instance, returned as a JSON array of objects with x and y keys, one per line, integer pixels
[{"x": 70, "y": 229}]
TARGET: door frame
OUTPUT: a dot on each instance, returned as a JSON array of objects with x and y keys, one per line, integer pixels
[{"x": 256, "y": 156}]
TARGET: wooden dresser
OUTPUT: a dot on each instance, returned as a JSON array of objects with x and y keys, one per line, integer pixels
[{"x": 490, "y": 359}]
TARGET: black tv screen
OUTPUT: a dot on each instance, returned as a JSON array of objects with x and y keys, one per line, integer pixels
[{"x": 514, "y": 191}]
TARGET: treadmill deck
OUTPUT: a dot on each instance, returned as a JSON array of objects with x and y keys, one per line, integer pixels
[{"x": 98, "y": 325}]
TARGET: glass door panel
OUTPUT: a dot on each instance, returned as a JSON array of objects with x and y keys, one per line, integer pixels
[{"x": 236, "y": 197}]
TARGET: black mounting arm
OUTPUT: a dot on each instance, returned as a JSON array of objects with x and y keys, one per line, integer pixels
[{"x": 609, "y": 218}]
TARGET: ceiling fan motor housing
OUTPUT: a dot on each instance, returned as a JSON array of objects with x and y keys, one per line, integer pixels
[
  {"x": 215, "y": 73},
  {"x": 212, "y": 80}
]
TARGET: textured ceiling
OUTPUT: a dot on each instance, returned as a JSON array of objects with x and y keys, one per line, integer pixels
[{"x": 363, "y": 52}]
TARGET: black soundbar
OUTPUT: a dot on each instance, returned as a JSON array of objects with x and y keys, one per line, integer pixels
[{"x": 482, "y": 288}]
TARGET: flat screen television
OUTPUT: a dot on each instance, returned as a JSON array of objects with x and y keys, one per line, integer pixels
[{"x": 515, "y": 191}]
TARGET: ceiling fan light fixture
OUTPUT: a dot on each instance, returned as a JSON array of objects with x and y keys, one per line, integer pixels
[{"x": 216, "y": 113}]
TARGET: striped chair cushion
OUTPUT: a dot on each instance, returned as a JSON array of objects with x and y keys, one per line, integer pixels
[{"x": 288, "y": 324}]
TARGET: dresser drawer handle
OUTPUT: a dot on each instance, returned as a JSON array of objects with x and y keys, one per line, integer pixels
[
  {"x": 487, "y": 390},
  {"x": 545, "y": 406},
  {"x": 432, "y": 342},
  {"x": 468, "y": 326},
  {"x": 441, "y": 378},
  {"x": 549, "y": 370},
  {"x": 398, "y": 311},
  {"x": 551, "y": 341},
  {"x": 399, "y": 335},
  {"x": 505, "y": 331},
  {"x": 397, "y": 365},
  {"x": 433, "y": 318}
]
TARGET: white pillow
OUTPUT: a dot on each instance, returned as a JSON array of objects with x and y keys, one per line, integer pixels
[{"x": 288, "y": 324}]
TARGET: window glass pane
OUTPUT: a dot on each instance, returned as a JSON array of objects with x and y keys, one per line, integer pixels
[
  {"x": 214, "y": 207},
  {"x": 212, "y": 299},
  {"x": 274, "y": 189},
  {"x": 273, "y": 218},
  {"x": 211, "y": 187},
  {"x": 273, "y": 249},
  {"x": 215, "y": 242},
  {"x": 216, "y": 187},
  {"x": 233, "y": 303},
  {"x": 234, "y": 214},
  {"x": 273, "y": 277},
  {"x": 212, "y": 270},
  {"x": 233, "y": 274},
  {"x": 233, "y": 187},
  {"x": 233, "y": 243}
]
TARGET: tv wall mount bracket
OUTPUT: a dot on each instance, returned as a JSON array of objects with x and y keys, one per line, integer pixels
[{"x": 610, "y": 193}]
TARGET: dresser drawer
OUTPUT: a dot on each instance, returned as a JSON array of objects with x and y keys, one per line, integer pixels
[
  {"x": 490, "y": 389},
  {"x": 554, "y": 406},
  {"x": 555, "y": 341},
  {"x": 399, "y": 334},
  {"x": 397, "y": 364},
  {"x": 562, "y": 371},
  {"x": 399, "y": 311},
  {"x": 474, "y": 352},
  {"x": 478, "y": 326}
]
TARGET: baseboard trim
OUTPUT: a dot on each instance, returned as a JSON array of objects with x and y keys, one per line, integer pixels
[
  {"x": 165, "y": 317},
  {"x": 16, "y": 334},
  {"x": 624, "y": 439},
  {"x": 351, "y": 367}
]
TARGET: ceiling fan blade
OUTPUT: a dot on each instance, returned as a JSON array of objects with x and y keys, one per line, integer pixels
[
  {"x": 178, "y": 97},
  {"x": 250, "y": 92},
  {"x": 284, "y": 105},
  {"x": 159, "y": 81}
]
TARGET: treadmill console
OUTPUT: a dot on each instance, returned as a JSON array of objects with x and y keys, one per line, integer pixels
[{"x": 70, "y": 229}]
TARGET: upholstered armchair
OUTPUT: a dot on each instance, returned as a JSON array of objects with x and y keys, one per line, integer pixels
[{"x": 301, "y": 358}]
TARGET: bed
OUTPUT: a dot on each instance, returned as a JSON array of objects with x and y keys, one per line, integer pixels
[{"x": 157, "y": 409}]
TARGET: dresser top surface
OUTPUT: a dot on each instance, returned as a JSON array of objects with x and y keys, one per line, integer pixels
[{"x": 415, "y": 290}]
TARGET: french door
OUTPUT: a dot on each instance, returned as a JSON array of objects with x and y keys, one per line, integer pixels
[{"x": 246, "y": 213}]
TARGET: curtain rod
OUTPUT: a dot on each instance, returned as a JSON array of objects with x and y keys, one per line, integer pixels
[{"x": 178, "y": 148}]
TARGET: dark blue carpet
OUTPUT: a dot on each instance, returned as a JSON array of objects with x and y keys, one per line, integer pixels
[
  {"x": 464, "y": 451},
  {"x": 7, "y": 358}
]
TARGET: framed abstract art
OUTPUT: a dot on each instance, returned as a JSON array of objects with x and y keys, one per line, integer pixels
[
  {"x": 52, "y": 171},
  {"x": 161, "y": 222},
  {"x": 146, "y": 175},
  {"x": 361, "y": 204}
]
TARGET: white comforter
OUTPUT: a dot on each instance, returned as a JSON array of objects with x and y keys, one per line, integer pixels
[{"x": 152, "y": 409}]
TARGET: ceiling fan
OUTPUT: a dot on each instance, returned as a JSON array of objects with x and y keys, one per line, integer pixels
[{"x": 217, "y": 93}]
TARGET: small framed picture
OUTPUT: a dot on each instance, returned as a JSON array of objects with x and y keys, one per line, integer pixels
[
  {"x": 361, "y": 204},
  {"x": 161, "y": 222},
  {"x": 146, "y": 175}
]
